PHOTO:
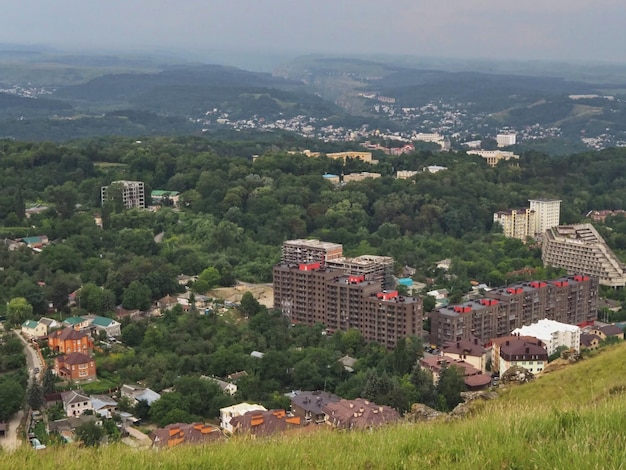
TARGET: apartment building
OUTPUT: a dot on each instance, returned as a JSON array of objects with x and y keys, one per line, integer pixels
[
  {"x": 553, "y": 334},
  {"x": 309, "y": 294},
  {"x": 547, "y": 213},
  {"x": 132, "y": 193},
  {"x": 571, "y": 300},
  {"x": 506, "y": 140},
  {"x": 581, "y": 249},
  {"x": 374, "y": 268},
  {"x": 517, "y": 223},
  {"x": 310, "y": 251}
]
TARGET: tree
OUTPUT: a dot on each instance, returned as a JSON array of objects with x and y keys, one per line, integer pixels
[
  {"x": 211, "y": 277},
  {"x": 449, "y": 387},
  {"x": 249, "y": 306},
  {"x": 35, "y": 395},
  {"x": 49, "y": 380},
  {"x": 96, "y": 299},
  {"x": 137, "y": 295},
  {"x": 18, "y": 311},
  {"x": 11, "y": 397},
  {"x": 90, "y": 434},
  {"x": 65, "y": 198}
]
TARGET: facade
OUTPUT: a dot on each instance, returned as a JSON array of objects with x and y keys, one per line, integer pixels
[
  {"x": 358, "y": 414},
  {"x": 69, "y": 340},
  {"x": 493, "y": 157},
  {"x": 308, "y": 406},
  {"x": 230, "y": 412},
  {"x": 264, "y": 423},
  {"x": 552, "y": 334},
  {"x": 132, "y": 192},
  {"x": 34, "y": 329},
  {"x": 365, "y": 156},
  {"x": 75, "y": 366},
  {"x": 405, "y": 174},
  {"x": 108, "y": 325},
  {"x": 360, "y": 176},
  {"x": 547, "y": 213},
  {"x": 589, "y": 341},
  {"x": 517, "y": 352},
  {"x": 571, "y": 300},
  {"x": 497, "y": 342},
  {"x": 608, "y": 331},
  {"x": 310, "y": 251},
  {"x": 469, "y": 350},
  {"x": 506, "y": 140},
  {"x": 516, "y": 223},
  {"x": 581, "y": 249},
  {"x": 75, "y": 403}
]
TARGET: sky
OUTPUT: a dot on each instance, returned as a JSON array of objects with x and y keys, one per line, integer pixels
[{"x": 569, "y": 30}]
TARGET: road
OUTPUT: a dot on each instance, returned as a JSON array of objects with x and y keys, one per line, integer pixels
[{"x": 33, "y": 360}]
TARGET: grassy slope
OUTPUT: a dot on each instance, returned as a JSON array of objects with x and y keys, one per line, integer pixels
[{"x": 568, "y": 419}]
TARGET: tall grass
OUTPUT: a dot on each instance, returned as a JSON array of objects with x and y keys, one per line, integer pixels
[{"x": 572, "y": 418}]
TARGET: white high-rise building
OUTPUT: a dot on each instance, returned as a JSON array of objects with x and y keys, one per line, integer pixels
[
  {"x": 547, "y": 213},
  {"x": 506, "y": 140}
]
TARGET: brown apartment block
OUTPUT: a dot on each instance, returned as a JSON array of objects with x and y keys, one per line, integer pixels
[
  {"x": 310, "y": 293},
  {"x": 571, "y": 299}
]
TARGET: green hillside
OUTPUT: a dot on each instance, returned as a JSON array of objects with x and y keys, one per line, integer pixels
[{"x": 568, "y": 419}]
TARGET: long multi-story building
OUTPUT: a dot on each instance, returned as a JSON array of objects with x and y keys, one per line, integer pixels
[
  {"x": 493, "y": 157},
  {"x": 132, "y": 193},
  {"x": 374, "y": 268},
  {"x": 571, "y": 300},
  {"x": 312, "y": 293},
  {"x": 516, "y": 223},
  {"x": 581, "y": 249}
]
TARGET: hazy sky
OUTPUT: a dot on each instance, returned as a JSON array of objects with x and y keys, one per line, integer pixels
[{"x": 516, "y": 29}]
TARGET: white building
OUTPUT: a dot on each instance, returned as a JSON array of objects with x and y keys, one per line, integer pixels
[
  {"x": 228, "y": 413},
  {"x": 552, "y": 334},
  {"x": 506, "y": 140},
  {"x": 547, "y": 213},
  {"x": 405, "y": 174},
  {"x": 493, "y": 157},
  {"x": 75, "y": 403}
]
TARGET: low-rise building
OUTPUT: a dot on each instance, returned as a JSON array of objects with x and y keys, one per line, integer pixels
[
  {"x": 75, "y": 402},
  {"x": 183, "y": 433},
  {"x": 310, "y": 405},
  {"x": 111, "y": 327},
  {"x": 360, "y": 176},
  {"x": 589, "y": 341},
  {"x": 517, "y": 352},
  {"x": 473, "y": 377},
  {"x": 469, "y": 350},
  {"x": 358, "y": 414},
  {"x": 137, "y": 393},
  {"x": 264, "y": 423},
  {"x": 230, "y": 412},
  {"x": 103, "y": 405},
  {"x": 69, "y": 340},
  {"x": 552, "y": 334},
  {"x": 608, "y": 331},
  {"x": 226, "y": 387},
  {"x": 33, "y": 329},
  {"x": 75, "y": 366},
  {"x": 493, "y": 157}
]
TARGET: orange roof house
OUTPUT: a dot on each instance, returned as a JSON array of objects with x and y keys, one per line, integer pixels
[
  {"x": 69, "y": 340},
  {"x": 264, "y": 423},
  {"x": 182, "y": 433},
  {"x": 75, "y": 366}
]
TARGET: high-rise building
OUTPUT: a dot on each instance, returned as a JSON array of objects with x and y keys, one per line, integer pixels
[
  {"x": 132, "y": 193},
  {"x": 506, "y": 140},
  {"x": 571, "y": 300},
  {"x": 581, "y": 249},
  {"x": 310, "y": 251},
  {"x": 547, "y": 213},
  {"x": 517, "y": 223},
  {"x": 373, "y": 268}
]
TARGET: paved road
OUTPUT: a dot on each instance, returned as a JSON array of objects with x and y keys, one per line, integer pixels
[{"x": 32, "y": 357}]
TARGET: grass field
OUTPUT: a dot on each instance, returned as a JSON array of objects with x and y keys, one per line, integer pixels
[{"x": 569, "y": 419}]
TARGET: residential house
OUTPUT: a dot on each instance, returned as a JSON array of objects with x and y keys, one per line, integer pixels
[
  {"x": 358, "y": 414},
  {"x": 237, "y": 375},
  {"x": 497, "y": 342},
  {"x": 608, "y": 331},
  {"x": 264, "y": 423},
  {"x": 183, "y": 433},
  {"x": 348, "y": 363},
  {"x": 518, "y": 352},
  {"x": 108, "y": 325},
  {"x": 166, "y": 303},
  {"x": 65, "y": 427},
  {"x": 103, "y": 405},
  {"x": 35, "y": 243},
  {"x": 75, "y": 403},
  {"x": 75, "y": 366},
  {"x": 49, "y": 323},
  {"x": 226, "y": 387},
  {"x": 469, "y": 350},
  {"x": 183, "y": 279},
  {"x": 121, "y": 313},
  {"x": 230, "y": 412},
  {"x": 136, "y": 393},
  {"x": 76, "y": 322},
  {"x": 69, "y": 340},
  {"x": 309, "y": 405},
  {"x": 33, "y": 329},
  {"x": 473, "y": 377},
  {"x": 589, "y": 341}
]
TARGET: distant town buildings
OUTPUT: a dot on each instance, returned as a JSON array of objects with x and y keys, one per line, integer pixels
[
  {"x": 365, "y": 156},
  {"x": 547, "y": 213},
  {"x": 571, "y": 300},
  {"x": 529, "y": 222},
  {"x": 132, "y": 193},
  {"x": 360, "y": 176},
  {"x": 581, "y": 249},
  {"x": 493, "y": 157},
  {"x": 405, "y": 174}
]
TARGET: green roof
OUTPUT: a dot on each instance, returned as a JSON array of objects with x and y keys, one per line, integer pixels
[
  {"x": 30, "y": 324},
  {"x": 102, "y": 321},
  {"x": 73, "y": 320},
  {"x": 161, "y": 192}
]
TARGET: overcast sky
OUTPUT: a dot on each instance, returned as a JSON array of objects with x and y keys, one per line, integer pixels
[{"x": 497, "y": 29}]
